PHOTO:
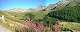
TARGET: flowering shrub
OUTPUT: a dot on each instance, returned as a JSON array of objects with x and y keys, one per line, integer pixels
[
  {"x": 35, "y": 26},
  {"x": 57, "y": 26}
]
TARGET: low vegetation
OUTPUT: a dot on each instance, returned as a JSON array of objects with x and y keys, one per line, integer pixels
[{"x": 68, "y": 15}]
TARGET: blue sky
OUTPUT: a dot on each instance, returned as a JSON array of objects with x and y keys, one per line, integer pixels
[{"x": 9, "y": 4}]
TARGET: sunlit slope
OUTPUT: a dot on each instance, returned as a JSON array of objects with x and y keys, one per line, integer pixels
[
  {"x": 71, "y": 25},
  {"x": 10, "y": 16},
  {"x": 10, "y": 22}
]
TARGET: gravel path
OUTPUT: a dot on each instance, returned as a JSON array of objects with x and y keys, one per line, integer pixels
[{"x": 3, "y": 29}]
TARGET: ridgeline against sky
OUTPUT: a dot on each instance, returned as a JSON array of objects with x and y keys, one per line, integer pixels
[{"x": 9, "y": 4}]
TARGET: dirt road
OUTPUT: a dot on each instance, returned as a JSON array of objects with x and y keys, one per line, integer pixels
[{"x": 3, "y": 29}]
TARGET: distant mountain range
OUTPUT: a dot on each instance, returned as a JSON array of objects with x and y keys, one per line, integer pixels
[{"x": 58, "y": 5}]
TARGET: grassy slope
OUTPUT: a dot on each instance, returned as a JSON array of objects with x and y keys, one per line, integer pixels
[
  {"x": 71, "y": 25},
  {"x": 10, "y": 22},
  {"x": 14, "y": 20}
]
